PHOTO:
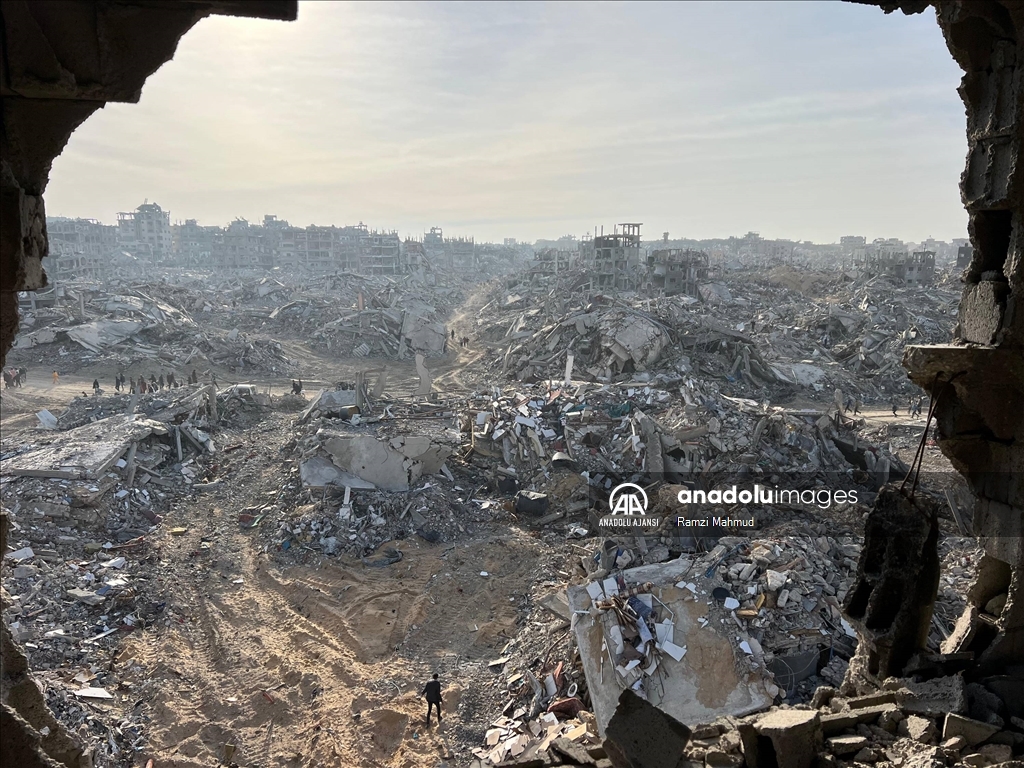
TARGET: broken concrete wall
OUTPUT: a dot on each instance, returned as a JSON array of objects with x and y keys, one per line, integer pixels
[
  {"x": 631, "y": 339},
  {"x": 392, "y": 465}
]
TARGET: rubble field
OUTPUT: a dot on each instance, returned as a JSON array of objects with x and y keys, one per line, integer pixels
[{"x": 227, "y": 571}]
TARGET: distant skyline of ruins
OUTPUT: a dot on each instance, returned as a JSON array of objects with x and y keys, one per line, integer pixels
[{"x": 805, "y": 121}]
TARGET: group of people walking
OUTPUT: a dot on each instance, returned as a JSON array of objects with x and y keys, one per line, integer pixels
[{"x": 14, "y": 377}]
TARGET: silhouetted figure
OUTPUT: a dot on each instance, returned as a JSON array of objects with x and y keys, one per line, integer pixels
[{"x": 432, "y": 692}]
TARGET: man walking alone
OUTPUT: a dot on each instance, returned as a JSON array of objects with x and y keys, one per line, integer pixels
[{"x": 432, "y": 691}]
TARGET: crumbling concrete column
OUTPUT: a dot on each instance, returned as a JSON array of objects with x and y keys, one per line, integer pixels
[
  {"x": 892, "y": 599},
  {"x": 640, "y": 735},
  {"x": 783, "y": 738},
  {"x": 980, "y": 419}
]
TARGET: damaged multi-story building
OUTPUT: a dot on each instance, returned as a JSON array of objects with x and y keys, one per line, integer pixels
[
  {"x": 617, "y": 259},
  {"x": 81, "y": 248},
  {"x": 146, "y": 233},
  {"x": 671, "y": 271},
  {"x": 459, "y": 252},
  {"x": 192, "y": 243},
  {"x": 892, "y": 259},
  {"x": 380, "y": 253},
  {"x": 551, "y": 261},
  {"x": 241, "y": 247}
]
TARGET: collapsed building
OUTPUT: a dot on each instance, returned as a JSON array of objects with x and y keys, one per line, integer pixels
[
  {"x": 917, "y": 268},
  {"x": 897, "y": 697}
]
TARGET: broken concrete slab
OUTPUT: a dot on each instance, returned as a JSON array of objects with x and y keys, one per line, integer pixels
[
  {"x": 46, "y": 419},
  {"x": 639, "y": 735},
  {"x": 85, "y": 596},
  {"x": 934, "y": 698},
  {"x": 839, "y": 721},
  {"x": 99, "y": 334},
  {"x": 318, "y": 472},
  {"x": 392, "y": 465},
  {"x": 972, "y": 731},
  {"x": 700, "y": 686},
  {"x": 845, "y": 745},
  {"x": 85, "y": 452}
]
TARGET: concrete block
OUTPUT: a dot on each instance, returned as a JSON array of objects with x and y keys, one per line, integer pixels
[
  {"x": 971, "y": 731},
  {"x": 793, "y": 736},
  {"x": 719, "y": 758},
  {"x": 997, "y": 753},
  {"x": 872, "y": 700},
  {"x": 845, "y": 745},
  {"x": 840, "y": 721},
  {"x": 919, "y": 728},
  {"x": 640, "y": 735},
  {"x": 934, "y": 698}
]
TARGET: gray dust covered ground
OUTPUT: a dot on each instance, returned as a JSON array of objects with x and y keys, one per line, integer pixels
[{"x": 225, "y": 572}]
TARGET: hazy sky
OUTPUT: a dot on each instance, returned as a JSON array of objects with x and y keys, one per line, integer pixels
[{"x": 801, "y": 120}]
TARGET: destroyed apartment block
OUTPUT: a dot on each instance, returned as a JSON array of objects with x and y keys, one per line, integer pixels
[
  {"x": 617, "y": 260},
  {"x": 675, "y": 270},
  {"x": 914, "y": 269}
]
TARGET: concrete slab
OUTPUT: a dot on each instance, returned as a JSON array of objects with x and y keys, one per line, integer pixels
[
  {"x": 706, "y": 682},
  {"x": 83, "y": 453}
]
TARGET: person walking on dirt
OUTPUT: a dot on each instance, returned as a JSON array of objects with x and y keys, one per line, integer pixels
[
  {"x": 895, "y": 407},
  {"x": 56, "y": 378},
  {"x": 142, "y": 385},
  {"x": 432, "y": 692},
  {"x": 22, "y": 376},
  {"x": 131, "y": 386},
  {"x": 856, "y": 406},
  {"x": 95, "y": 387}
]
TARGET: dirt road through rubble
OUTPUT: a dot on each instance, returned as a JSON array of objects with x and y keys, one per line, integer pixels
[{"x": 317, "y": 664}]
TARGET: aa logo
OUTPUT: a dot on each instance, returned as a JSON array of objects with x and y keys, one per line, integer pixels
[{"x": 628, "y": 499}]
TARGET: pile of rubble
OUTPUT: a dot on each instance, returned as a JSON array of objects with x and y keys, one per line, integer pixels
[
  {"x": 760, "y": 338},
  {"x": 929, "y": 722},
  {"x": 131, "y": 328}
]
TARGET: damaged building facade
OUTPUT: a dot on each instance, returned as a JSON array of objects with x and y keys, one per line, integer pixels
[
  {"x": 673, "y": 270},
  {"x": 617, "y": 260}
]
